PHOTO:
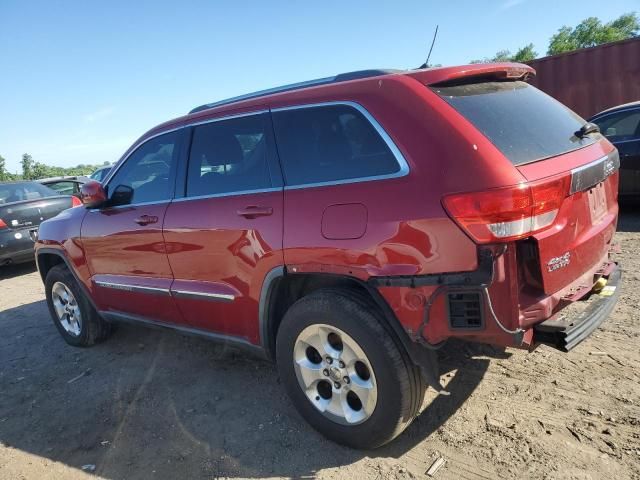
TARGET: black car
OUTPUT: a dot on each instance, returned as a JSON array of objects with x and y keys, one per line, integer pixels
[
  {"x": 621, "y": 125},
  {"x": 23, "y": 206},
  {"x": 65, "y": 185}
]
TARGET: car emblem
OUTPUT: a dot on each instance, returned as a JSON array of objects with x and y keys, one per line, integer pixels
[
  {"x": 609, "y": 167},
  {"x": 557, "y": 263}
]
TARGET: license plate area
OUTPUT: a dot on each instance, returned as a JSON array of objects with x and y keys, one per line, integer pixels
[{"x": 597, "y": 202}]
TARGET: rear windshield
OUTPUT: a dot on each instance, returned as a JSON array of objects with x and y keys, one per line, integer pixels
[
  {"x": 19, "y": 191},
  {"x": 524, "y": 123}
]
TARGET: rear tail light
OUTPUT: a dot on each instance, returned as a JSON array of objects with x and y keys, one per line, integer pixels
[
  {"x": 75, "y": 202},
  {"x": 510, "y": 213},
  {"x": 2, "y": 224}
]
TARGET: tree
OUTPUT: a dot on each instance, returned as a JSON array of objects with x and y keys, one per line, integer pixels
[
  {"x": 40, "y": 170},
  {"x": 525, "y": 54},
  {"x": 27, "y": 166},
  {"x": 4, "y": 175},
  {"x": 591, "y": 32}
]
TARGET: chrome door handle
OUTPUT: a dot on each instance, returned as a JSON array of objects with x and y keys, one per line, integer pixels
[
  {"x": 146, "y": 220},
  {"x": 255, "y": 211}
]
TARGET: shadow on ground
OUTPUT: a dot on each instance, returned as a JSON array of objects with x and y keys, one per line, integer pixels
[
  {"x": 11, "y": 271},
  {"x": 149, "y": 401},
  {"x": 629, "y": 219}
]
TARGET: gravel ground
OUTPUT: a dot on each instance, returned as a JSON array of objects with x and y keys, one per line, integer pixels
[{"x": 151, "y": 404}]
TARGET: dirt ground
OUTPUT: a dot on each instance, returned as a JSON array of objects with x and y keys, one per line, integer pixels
[{"x": 150, "y": 404}]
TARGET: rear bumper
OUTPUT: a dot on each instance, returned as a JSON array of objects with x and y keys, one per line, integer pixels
[
  {"x": 574, "y": 323},
  {"x": 16, "y": 246}
]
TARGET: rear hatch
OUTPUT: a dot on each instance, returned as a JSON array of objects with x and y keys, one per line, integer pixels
[
  {"x": 565, "y": 209},
  {"x": 24, "y": 205}
]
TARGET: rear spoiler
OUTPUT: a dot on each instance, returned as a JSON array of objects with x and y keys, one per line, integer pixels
[{"x": 472, "y": 73}]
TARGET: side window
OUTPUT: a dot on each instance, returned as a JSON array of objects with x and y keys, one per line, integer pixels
[
  {"x": 330, "y": 143},
  {"x": 147, "y": 170},
  {"x": 64, "y": 188},
  {"x": 620, "y": 126},
  {"x": 229, "y": 156}
]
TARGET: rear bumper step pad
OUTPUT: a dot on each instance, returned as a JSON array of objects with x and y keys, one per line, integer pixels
[{"x": 565, "y": 330}]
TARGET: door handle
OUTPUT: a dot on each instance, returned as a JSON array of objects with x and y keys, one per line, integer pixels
[
  {"x": 255, "y": 211},
  {"x": 146, "y": 220}
]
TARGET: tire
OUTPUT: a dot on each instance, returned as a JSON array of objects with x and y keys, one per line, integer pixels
[
  {"x": 89, "y": 328},
  {"x": 395, "y": 380}
]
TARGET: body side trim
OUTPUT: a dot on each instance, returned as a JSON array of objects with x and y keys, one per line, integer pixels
[
  {"x": 214, "y": 297},
  {"x": 133, "y": 288}
]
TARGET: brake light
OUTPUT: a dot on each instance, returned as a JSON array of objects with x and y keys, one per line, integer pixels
[
  {"x": 510, "y": 213},
  {"x": 75, "y": 202},
  {"x": 2, "y": 224}
]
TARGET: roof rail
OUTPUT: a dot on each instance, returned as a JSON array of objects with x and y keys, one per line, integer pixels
[{"x": 342, "y": 77}]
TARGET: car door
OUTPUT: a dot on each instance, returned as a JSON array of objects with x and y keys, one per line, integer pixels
[
  {"x": 225, "y": 234},
  {"x": 622, "y": 128},
  {"x": 123, "y": 241}
]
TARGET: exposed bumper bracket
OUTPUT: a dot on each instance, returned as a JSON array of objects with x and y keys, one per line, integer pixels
[{"x": 565, "y": 330}]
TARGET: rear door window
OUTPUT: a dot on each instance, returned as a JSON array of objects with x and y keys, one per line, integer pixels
[
  {"x": 229, "y": 156},
  {"x": 524, "y": 123},
  {"x": 330, "y": 143}
]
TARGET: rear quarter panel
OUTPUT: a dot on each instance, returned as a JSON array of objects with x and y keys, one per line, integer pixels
[{"x": 407, "y": 231}]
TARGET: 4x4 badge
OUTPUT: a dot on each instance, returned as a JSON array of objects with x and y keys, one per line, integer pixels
[{"x": 557, "y": 263}]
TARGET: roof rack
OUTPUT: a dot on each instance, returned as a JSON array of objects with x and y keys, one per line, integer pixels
[{"x": 342, "y": 77}]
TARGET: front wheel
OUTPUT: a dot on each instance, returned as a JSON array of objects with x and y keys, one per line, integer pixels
[
  {"x": 72, "y": 313},
  {"x": 344, "y": 372}
]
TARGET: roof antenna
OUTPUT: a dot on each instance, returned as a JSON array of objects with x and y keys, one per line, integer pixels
[{"x": 426, "y": 64}]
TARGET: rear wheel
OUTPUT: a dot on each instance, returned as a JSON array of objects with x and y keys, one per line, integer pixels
[
  {"x": 344, "y": 372},
  {"x": 72, "y": 313}
]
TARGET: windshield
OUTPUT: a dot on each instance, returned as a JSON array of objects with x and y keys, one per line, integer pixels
[
  {"x": 19, "y": 191},
  {"x": 524, "y": 123}
]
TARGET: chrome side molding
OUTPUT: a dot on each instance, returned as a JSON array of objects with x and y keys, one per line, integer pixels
[
  {"x": 133, "y": 288},
  {"x": 214, "y": 297}
]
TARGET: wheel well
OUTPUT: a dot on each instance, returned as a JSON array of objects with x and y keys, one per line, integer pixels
[
  {"x": 287, "y": 289},
  {"x": 46, "y": 261}
]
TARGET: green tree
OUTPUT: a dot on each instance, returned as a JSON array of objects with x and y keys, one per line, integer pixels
[
  {"x": 27, "y": 166},
  {"x": 40, "y": 170},
  {"x": 591, "y": 32},
  {"x": 525, "y": 54},
  {"x": 4, "y": 175}
]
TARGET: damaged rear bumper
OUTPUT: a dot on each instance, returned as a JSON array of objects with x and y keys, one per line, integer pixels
[{"x": 574, "y": 323}]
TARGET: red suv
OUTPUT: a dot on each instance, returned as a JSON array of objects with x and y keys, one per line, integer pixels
[{"x": 346, "y": 228}]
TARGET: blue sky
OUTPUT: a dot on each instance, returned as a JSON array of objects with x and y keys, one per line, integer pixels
[{"x": 81, "y": 80}]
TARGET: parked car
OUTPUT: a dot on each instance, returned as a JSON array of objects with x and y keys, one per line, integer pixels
[
  {"x": 67, "y": 185},
  {"x": 621, "y": 125},
  {"x": 23, "y": 206},
  {"x": 100, "y": 174},
  {"x": 346, "y": 228}
]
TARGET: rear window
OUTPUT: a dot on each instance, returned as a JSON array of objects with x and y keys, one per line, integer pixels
[
  {"x": 524, "y": 123},
  {"x": 18, "y": 192}
]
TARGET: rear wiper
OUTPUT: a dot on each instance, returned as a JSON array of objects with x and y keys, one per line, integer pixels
[{"x": 587, "y": 129}]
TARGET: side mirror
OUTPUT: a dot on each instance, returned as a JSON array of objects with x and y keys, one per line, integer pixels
[
  {"x": 92, "y": 194},
  {"x": 611, "y": 132},
  {"x": 122, "y": 195}
]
